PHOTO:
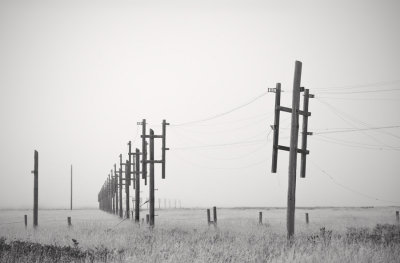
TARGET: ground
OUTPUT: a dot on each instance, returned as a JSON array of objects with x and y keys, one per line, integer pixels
[{"x": 183, "y": 235}]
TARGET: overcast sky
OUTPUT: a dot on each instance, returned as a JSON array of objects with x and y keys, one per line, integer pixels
[{"x": 77, "y": 76}]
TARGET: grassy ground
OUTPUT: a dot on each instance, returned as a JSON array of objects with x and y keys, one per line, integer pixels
[{"x": 183, "y": 236}]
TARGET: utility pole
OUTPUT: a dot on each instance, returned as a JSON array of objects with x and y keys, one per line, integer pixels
[
  {"x": 121, "y": 215},
  {"x": 116, "y": 190},
  {"x": 151, "y": 138},
  {"x": 137, "y": 187},
  {"x": 294, "y": 132},
  {"x": 71, "y": 186},
  {"x": 127, "y": 183},
  {"x": 151, "y": 188},
  {"x": 35, "y": 189}
]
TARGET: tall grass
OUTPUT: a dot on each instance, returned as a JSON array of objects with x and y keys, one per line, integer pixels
[{"x": 191, "y": 240}]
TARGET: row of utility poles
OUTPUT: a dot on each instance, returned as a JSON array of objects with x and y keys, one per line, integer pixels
[{"x": 138, "y": 165}]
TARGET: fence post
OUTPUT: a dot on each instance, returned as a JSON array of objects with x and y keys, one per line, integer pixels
[
  {"x": 397, "y": 216},
  {"x": 260, "y": 218},
  {"x": 69, "y": 221},
  {"x": 26, "y": 221},
  {"x": 307, "y": 218},
  {"x": 215, "y": 215},
  {"x": 147, "y": 218},
  {"x": 208, "y": 217}
]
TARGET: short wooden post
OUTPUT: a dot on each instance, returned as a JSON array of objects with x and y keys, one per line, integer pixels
[
  {"x": 260, "y": 218},
  {"x": 147, "y": 218},
  {"x": 69, "y": 221},
  {"x": 307, "y": 218},
  {"x": 397, "y": 217},
  {"x": 215, "y": 215},
  {"x": 208, "y": 217},
  {"x": 26, "y": 221},
  {"x": 142, "y": 220}
]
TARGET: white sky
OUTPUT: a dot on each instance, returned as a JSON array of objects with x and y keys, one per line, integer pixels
[{"x": 76, "y": 76}]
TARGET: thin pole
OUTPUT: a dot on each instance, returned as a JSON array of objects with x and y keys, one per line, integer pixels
[
  {"x": 36, "y": 189},
  {"x": 116, "y": 190},
  {"x": 276, "y": 127},
  {"x": 151, "y": 188},
  {"x": 120, "y": 187},
  {"x": 294, "y": 132},
  {"x": 304, "y": 135},
  {"x": 71, "y": 186},
  {"x": 127, "y": 179},
  {"x": 137, "y": 189}
]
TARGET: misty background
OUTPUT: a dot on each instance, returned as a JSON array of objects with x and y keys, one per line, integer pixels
[{"x": 77, "y": 76}]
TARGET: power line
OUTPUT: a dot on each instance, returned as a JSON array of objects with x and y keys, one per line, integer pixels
[
  {"x": 347, "y": 144},
  {"x": 360, "y": 99},
  {"x": 217, "y": 145},
  {"x": 223, "y": 113},
  {"x": 357, "y": 92},
  {"x": 350, "y": 189},
  {"x": 339, "y": 114},
  {"x": 361, "y": 86},
  {"x": 356, "y": 130},
  {"x": 222, "y": 168}
]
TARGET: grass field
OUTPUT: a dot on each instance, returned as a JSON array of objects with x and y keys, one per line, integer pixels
[{"x": 182, "y": 235}]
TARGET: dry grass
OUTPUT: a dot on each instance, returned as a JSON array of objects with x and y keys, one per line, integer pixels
[{"x": 183, "y": 236}]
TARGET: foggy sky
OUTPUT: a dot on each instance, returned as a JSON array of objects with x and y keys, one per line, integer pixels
[{"x": 76, "y": 77}]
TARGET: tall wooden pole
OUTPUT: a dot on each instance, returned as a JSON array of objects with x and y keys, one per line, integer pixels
[
  {"x": 127, "y": 180},
  {"x": 294, "y": 132},
  {"x": 116, "y": 190},
  {"x": 137, "y": 187},
  {"x": 304, "y": 134},
  {"x": 144, "y": 152},
  {"x": 121, "y": 212},
  {"x": 71, "y": 186},
  {"x": 35, "y": 189},
  {"x": 276, "y": 127},
  {"x": 151, "y": 188}
]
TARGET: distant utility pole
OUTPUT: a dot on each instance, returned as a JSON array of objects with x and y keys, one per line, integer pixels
[
  {"x": 71, "y": 186},
  {"x": 116, "y": 190},
  {"x": 121, "y": 212},
  {"x": 137, "y": 186},
  {"x": 152, "y": 161},
  {"x": 35, "y": 189},
  {"x": 294, "y": 132}
]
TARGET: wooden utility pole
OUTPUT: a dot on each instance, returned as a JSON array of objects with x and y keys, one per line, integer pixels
[
  {"x": 144, "y": 151},
  {"x": 294, "y": 134},
  {"x": 151, "y": 162},
  {"x": 35, "y": 189},
  {"x": 116, "y": 190},
  {"x": 137, "y": 187},
  {"x": 71, "y": 186},
  {"x": 121, "y": 212},
  {"x": 127, "y": 183},
  {"x": 276, "y": 127},
  {"x": 151, "y": 187}
]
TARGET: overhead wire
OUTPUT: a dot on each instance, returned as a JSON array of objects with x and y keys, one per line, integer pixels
[
  {"x": 358, "y": 92},
  {"x": 338, "y": 113},
  {"x": 348, "y": 188},
  {"x": 216, "y": 145},
  {"x": 357, "y": 146},
  {"x": 356, "y": 130},
  {"x": 361, "y": 86},
  {"x": 223, "y": 113}
]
